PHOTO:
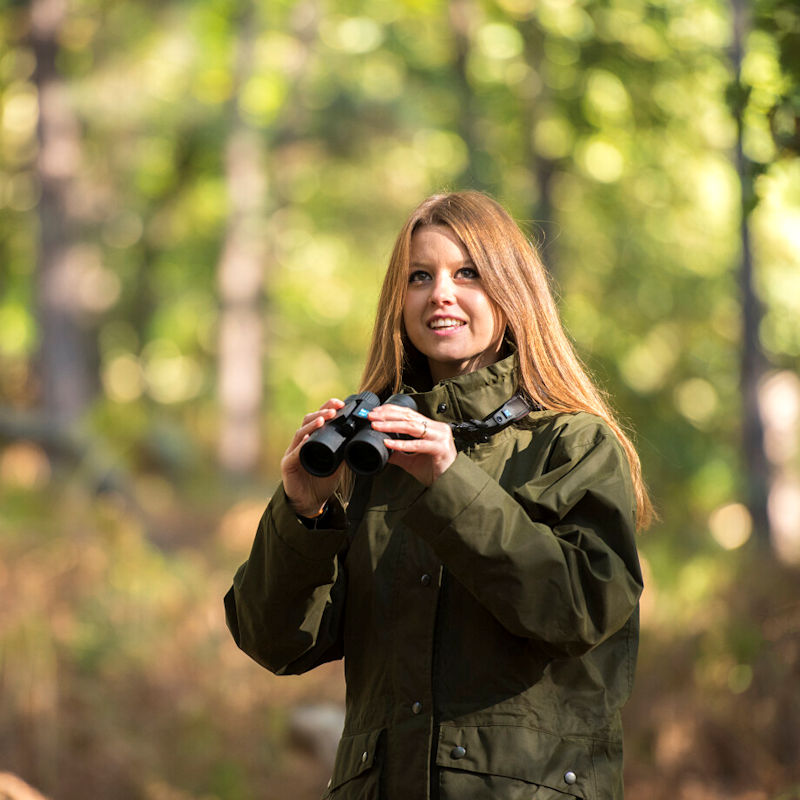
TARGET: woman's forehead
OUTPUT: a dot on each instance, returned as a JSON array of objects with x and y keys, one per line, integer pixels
[{"x": 431, "y": 238}]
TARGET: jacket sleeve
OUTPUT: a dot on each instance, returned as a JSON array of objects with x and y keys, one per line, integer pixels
[
  {"x": 286, "y": 605},
  {"x": 553, "y": 559}
]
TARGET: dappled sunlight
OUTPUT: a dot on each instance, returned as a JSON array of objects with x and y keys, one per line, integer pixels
[
  {"x": 601, "y": 159},
  {"x": 697, "y": 400},
  {"x": 123, "y": 379},
  {"x": 169, "y": 375},
  {"x": 648, "y": 364},
  {"x": 440, "y": 151},
  {"x": 784, "y": 514},
  {"x": 779, "y": 396},
  {"x": 25, "y": 465},
  {"x": 731, "y": 525}
]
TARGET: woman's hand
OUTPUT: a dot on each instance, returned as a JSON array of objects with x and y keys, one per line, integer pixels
[
  {"x": 425, "y": 456},
  {"x": 308, "y": 493}
]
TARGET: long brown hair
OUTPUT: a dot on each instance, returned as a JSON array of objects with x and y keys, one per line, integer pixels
[{"x": 515, "y": 279}]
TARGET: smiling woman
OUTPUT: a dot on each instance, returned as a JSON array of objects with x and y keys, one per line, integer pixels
[{"x": 483, "y": 593}]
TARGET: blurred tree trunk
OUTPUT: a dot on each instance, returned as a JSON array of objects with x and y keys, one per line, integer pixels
[
  {"x": 65, "y": 375},
  {"x": 240, "y": 280},
  {"x": 462, "y": 21},
  {"x": 753, "y": 361}
]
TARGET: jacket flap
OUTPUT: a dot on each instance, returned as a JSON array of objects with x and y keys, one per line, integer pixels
[
  {"x": 355, "y": 754},
  {"x": 514, "y": 751}
]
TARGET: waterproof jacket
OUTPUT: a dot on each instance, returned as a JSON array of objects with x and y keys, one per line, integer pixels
[{"x": 488, "y": 622}]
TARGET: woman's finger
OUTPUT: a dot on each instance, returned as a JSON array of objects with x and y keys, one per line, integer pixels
[
  {"x": 418, "y": 428},
  {"x": 305, "y": 430},
  {"x": 333, "y": 405},
  {"x": 421, "y": 424},
  {"x": 314, "y": 420},
  {"x": 413, "y": 445}
]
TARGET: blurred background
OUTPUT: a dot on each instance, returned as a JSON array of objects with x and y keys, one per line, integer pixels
[{"x": 197, "y": 204}]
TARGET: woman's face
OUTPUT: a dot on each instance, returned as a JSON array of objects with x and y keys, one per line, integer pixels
[{"x": 447, "y": 314}]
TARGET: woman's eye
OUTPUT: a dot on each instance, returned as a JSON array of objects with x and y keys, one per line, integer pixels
[
  {"x": 468, "y": 272},
  {"x": 417, "y": 276}
]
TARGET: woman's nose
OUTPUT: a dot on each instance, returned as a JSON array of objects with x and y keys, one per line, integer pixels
[{"x": 442, "y": 290}]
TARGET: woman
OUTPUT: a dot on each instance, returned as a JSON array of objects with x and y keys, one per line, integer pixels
[{"x": 482, "y": 593}]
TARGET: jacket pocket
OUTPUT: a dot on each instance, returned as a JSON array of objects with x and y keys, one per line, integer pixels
[
  {"x": 558, "y": 767},
  {"x": 356, "y": 771},
  {"x": 459, "y": 785}
]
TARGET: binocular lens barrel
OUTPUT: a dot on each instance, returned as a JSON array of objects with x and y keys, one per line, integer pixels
[
  {"x": 405, "y": 400},
  {"x": 366, "y": 453},
  {"x": 323, "y": 452}
]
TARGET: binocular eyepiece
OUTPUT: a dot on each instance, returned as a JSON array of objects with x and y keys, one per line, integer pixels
[{"x": 350, "y": 437}]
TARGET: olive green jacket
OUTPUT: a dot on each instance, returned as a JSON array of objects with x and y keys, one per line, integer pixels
[{"x": 488, "y": 623}]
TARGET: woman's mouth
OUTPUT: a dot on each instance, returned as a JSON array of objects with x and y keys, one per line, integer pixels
[{"x": 445, "y": 323}]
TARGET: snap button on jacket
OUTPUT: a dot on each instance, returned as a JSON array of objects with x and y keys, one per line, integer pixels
[{"x": 488, "y": 623}]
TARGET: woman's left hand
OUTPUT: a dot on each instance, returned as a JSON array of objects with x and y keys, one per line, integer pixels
[{"x": 429, "y": 452}]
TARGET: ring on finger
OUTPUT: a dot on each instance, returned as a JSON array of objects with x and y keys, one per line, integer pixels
[{"x": 424, "y": 428}]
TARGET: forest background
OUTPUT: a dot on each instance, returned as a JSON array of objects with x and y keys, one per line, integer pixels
[{"x": 197, "y": 203}]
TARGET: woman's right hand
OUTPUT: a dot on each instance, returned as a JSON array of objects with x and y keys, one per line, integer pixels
[{"x": 308, "y": 493}]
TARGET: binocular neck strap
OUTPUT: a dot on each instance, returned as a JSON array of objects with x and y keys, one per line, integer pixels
[{"x": 475, "y": 431}]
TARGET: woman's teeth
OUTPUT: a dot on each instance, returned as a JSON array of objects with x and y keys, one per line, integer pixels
[{"x": 445, "y": 323}]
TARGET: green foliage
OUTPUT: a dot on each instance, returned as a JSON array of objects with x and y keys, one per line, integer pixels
[{"x": 607, "y": 127}]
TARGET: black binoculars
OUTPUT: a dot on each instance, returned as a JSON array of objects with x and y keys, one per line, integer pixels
[{"x": 350, "y": 437}]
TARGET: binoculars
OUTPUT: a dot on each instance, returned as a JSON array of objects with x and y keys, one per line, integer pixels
[{"x": 350, "y": 437}]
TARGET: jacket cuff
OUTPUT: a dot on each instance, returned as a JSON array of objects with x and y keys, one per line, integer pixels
[
  {"x": 318, "y": 544},
  {"x": 450, "y": 495}
]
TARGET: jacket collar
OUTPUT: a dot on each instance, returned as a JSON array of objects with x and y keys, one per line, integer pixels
[{"x": 469, "y": 396}]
